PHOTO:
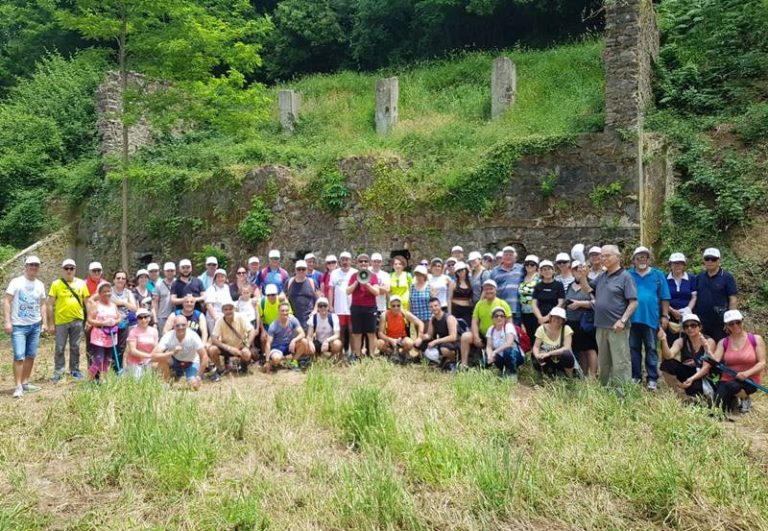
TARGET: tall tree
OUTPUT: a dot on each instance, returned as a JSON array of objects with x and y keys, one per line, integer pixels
[{"x": 203, "y": 50}]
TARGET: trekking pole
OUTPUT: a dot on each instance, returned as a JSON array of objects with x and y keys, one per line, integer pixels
[
  {"x": 114, "y": 348},
  {"x": 708, "y": 359}
]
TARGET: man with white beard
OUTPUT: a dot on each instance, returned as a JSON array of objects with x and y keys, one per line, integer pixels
[{"x": 652, "y": 312}]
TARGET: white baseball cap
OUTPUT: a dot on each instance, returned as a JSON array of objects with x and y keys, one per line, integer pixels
[
  {"x": 460, "y": 266},
  {"x": 142, "y": 272},
  {"x": 228, "y": 303},
  {"x": 711, "y": 252},
  {"x": 153, "y": 267},
  {"x": 184, "y": 262},
  {"x": 331, "y": 258},
  {"x": 68, "y": 262},
  {"x": 474, "y": 255},
  {"x": 169, "y": 266},
  {"x": 420, "y": 269},
  {"x": 532, "y": 258},
  {"x": 595, "y": 250},
  {"x": 691, "y": 317},
  {"x": 94, "y": 265},
  {"x": 490, "y": 282},
  {"x": 488, "y": 256},
  {"x": 546, "y": 263},
  {"x": 498, "y": 308},
  {"x": 220, "y": 272},
  {"x": 253, "y": 260},
  {"x": 563, "y": 257},
  {"x": 322, "y": 300},
  {"x": 450, "y": 260},
  {"x": 271, "y": 289},
  {"x": 640, "y": 250},
  {"x": 274, "y": 253},
  {"x": 345, "y": 254},
  {"x": 142, "y": 311},
  {"x": 509, "y": 249},
  {"x": 211, "y": 260},
  {"x": 32, "y": 260},
  {"x": 575, "y": 263},
  {"x": 376, "y": 257},
  {"x": 310, "y": 256},
  {"x": 300, "y": 264},
  {"x": 732, "y": 315},
  {"x": 557, "y": 311},
  {"x": 677, "y": 257},
  {"x": 276, "y": 352},
  {"x": 432, "y": 354},
  {"x": 499, "y": 254},
  {"x": 457, "y": 249},
  {"x": 394, "y": 298}
]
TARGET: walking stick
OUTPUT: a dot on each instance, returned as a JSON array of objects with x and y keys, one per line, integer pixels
[
  {"x": 708, "y": 359},
  {"x": 114, "y": 348}
]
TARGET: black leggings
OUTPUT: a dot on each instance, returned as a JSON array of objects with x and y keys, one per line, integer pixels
[
  {"x": 727, "y": 391},
  {"x": 530, "y": 323},
  {"x": 553, "y": 363},
  {"x": 682, "y": 372}
]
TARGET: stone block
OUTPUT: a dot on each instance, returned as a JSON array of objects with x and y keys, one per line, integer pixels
[
  {"x": 503, "y": 85},
  {"x": 289, "y": 105},
  {"x": 387, "y": 94}
]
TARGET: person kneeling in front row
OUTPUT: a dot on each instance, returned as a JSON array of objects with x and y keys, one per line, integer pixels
[
  {"x": 501, "y": 349},
  {"x": 394, "y": 340},
  {"x": 324, "y": 331},
  {"x": 688, "y": 375},
  {"x": 285, "y": 341},
  {"x": 180, "y": 351},
  {"x": 552, "y": 348},
  {"x": 441, "y": 342},
  {"x": 232, "y": 337}
]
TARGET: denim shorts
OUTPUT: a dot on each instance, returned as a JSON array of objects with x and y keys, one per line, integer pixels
[
  {"x": 24, "y": 341},
  {"x": 190, "y": 373}
]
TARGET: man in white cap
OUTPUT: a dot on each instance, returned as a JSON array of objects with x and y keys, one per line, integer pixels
[
  {"x": 273, "y": 274},
  {"x": 477, "y": 275},
  {"x": 187, "y": 284},
  {"x": 508, "y": 276},
  {"x": 253, "y": 271},
  {"x": 66, "y": 313},
  {"x": 324, "y": 331},
  {"x": 489, "y": 261},
  {"x": 182, "y": 352},
  {"x": 232, "y": 337},
  {"x": 651, "y": 314},
  {"x": 301, "y": 292},
  {"x": 24, "y": 308},
  {"x": 153, "y": 272},
  {"x": 215, "y": 296},
  {"x": 450, "y": 268},
  {"x": 482, "y": 320},
  {"x": 394, "y": 338},
  {"x": 457, "y": 253},
  {"x": 716, "y": 293},
  {"x": 163, "y": 305},
  {"x": 94, "y": 279},
  {"x": 384, "y": 283},
  {"x": 211, "y": 265},
  {"x": 595, "y": 263},
  {"x": 312, "y": 271},
  {"x": 338, "y": 297}
]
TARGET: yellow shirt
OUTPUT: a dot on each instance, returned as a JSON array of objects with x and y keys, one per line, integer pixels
[
  {"x": 400, "y": 285},
  {"x": 66, "y": 307}
]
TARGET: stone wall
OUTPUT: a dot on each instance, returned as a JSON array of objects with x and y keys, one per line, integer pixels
[
  {"x": 109, "y": 105},
  {"x": 52, "y": 250}
]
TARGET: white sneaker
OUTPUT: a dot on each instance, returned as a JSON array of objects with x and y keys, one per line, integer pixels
[
  {"x": 651, "y": 385},
  {"x": 19, "y": 392},
  {"x": 746, "y": 405},
  {"x": 31, "y": 388}
]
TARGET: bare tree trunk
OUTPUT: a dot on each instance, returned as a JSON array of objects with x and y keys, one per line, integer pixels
[{"x": 124, "y": 158}]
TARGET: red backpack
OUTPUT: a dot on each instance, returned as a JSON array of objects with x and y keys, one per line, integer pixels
[{"x": 523, "y": 339}]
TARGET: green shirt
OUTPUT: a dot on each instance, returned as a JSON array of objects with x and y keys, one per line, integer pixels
[{"x": 484, "y": 309}]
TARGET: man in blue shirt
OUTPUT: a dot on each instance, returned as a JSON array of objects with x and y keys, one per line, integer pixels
[
  {"x": 652, "y": 311},
  {"x": 508, "y": 276},
  {"x": 715, "y": 294}
]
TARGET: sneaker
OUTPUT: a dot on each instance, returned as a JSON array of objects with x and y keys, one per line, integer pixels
[
  {"x": 214, "y": 376},
  {"x": 746, "y": 405},
  {"x": 30, "y": 388},
  {"x": 651, "y": 385},
  {"x": 293, "y": 365},
  {"x": 77, "y": 376},
  {"x": 18, "y": 392},
  {"x": 57, "y": 377}
]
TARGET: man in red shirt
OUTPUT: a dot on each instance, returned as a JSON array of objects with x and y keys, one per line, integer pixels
[{"x": 363, "y": 309}]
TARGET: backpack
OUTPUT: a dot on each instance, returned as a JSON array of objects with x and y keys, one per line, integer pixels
[
  {"x": 750, "y": 337},
  {"x": 523, "y": 339},
  {"x": 314, "y": 320}
]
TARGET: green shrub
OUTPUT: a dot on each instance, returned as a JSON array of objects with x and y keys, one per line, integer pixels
[
  {"x": 328, "y": 189},
  {"x": 600, "y": 194},
  {"x": 752, "y": 126},
  {"x": 27, "y": 218},
  {"x": 210, "y": 250},
  {"x": 548, "y": 182},
  {"x": 257, "y": 225}
]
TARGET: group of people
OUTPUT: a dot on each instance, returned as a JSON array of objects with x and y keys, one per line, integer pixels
[{"x": 582, "y": 313}]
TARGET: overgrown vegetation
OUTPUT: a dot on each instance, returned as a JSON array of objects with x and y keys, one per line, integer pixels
[{"x": 256, "y": 227}]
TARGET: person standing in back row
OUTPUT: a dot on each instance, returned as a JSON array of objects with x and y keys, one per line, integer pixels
[
  {"x": 615, "y": 302},
  {"x": 66, "y": 313},
  {"x": 716, "y": 293},
  {"x": 508, "y": 275}
]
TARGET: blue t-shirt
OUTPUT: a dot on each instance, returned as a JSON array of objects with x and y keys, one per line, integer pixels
[
  {"x": 681, "y": 295},
  {"x": 283, "y": 336},
  {"x": 508, "y": 284},
  {"x": 713, "y": 292},
  {"x": 278, "y": 277},
  {"x": 652, "y": 288}
]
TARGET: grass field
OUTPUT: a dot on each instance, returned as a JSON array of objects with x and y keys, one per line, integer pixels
[{"x": 373, "y": 446}]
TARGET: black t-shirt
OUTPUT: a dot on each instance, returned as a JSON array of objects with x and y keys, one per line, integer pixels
[
  {"x": 547, "y": 295},
  {"x": 194, "y": 287}
]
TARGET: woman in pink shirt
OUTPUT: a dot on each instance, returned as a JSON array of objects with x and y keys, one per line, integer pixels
[
  {"x": 141, "y": 342},
  {"x": 103, "y": 316}
]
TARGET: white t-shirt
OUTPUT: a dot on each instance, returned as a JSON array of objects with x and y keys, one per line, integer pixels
[
  {"x": 324, "y": 330},
  {"x": 384, "y": 282},
  {"x": 340, "y": 282},
  {"x": 246, "y": 309},
  {"x": 499, "y": 337},
  {"x": 440, "y": 285},
  {"x": 189, "y": 345},
  {"x": 28, "y": 295},
  {"x": 217, "y": 296}
]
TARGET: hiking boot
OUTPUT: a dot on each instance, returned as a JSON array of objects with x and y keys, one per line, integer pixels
[
  {"x": 77, "y": 376},
  {"x": 746, "y": 405},
  {"x": 57, "y": 377},
  {"x": 651, "y": 385},
  {"x": 30, "y": 388},
  {"x": 18, "y": 392}
]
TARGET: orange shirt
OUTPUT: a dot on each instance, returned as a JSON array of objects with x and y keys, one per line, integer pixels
[{"x": 396, "y": 325}]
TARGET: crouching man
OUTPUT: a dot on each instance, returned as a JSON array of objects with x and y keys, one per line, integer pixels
[
  {"x": 181, "y": 352},
  {"x": 324, "y": 332},
  {"x": 394, "y": 338},
  {"x": 441, "y": 341},
  {"x": 286, "y": 342},
  {"x": 232, "y": 337}
]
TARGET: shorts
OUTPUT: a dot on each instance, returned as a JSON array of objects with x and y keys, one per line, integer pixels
[
  {"x": 282, "y": 348},
  {"x": 24, "y": 341},
  {"x": 344, "y": 320},
  {"x": 189, "y": 372},
  {"x": 450, "y": 346},
  {"x": 363, "y": 320}
]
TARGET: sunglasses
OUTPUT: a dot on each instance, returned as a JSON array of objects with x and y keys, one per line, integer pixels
[
  {"x": 322, "y": 305},
  {"x": 301, "y": 269},
  {"x": 394, "y": 305},
  {"x": 96, "y": 270},
  {"x": 496, "y": 316},
  {"x": 69, "y": 268},
  {"x": 733, "y": 323},
  {"x": 362, "y": 261},
  {"x": 561, "y": 262},
  {"x": 180, "y": 326},
  {"x": 531, "y": 264},
  {"x": 710, "y": 259},
  {"x": 143, "y": 317},
  {"x": 424, "y": 263},
  {"x": 241, "y": 272},
  {"x": 331, "y": 262},
  {"x": 691, "y": 325}
]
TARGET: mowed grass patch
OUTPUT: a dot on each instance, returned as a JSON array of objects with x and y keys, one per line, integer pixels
[{"x": 374, "y": 446}]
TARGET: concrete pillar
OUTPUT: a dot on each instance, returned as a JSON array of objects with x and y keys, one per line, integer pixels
[
  {"x": 289, "y": 103},
  {"x": 387, "y": 93},
  {"x": 503, "y": 85}
]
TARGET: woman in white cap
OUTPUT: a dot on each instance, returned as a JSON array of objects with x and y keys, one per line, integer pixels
[
  {"x": 743, "y": 352},
  {"x": 400, "y": 281},
  {"x": 548, "y": 293},
  {"x": 500, "y": 348},
  {"x": 564, "y": 275},
  {"x": 552, "y": 347},
  {"x": 142, "y": 294},
  {"x": 682, "y": 289},
  {"x": 216, "y": 295},
  {"x": 460, "y": 294},
  {"x": 142, "y": 340},
  {"x": 420, "y": 294},
  {"x": 579, "y": 315},
  {"x": 325, "y": 279},
  {"x": 687, "y": 375},
  {"x": 525, "y": 292},
  {"x": 126, "y": 303}
]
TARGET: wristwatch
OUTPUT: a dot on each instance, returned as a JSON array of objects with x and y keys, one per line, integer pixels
[{"x": 623, "y": 321}]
